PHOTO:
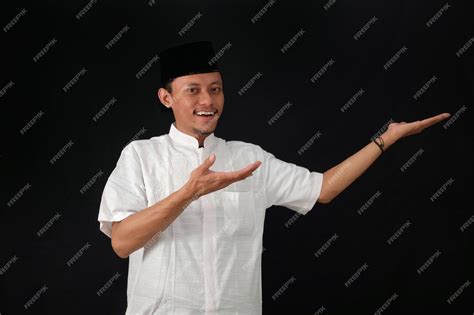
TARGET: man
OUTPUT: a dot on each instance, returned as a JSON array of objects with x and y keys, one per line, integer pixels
[{"x": 188, "y": 207}]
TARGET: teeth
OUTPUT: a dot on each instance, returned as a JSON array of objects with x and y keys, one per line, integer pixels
[{"x": 202, "y": 113}]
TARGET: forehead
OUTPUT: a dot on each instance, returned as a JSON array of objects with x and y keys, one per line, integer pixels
[{"x": 198, "y": 79}]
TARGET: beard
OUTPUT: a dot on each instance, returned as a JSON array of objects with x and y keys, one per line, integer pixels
[
  {"x": 204, "y": 132},
  {"x": 208, "y": 128}
]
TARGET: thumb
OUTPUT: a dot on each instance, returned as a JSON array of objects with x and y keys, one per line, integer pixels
[{"x": 209, "y": 161}]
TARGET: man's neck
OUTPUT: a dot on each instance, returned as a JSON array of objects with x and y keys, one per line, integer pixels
[{"x": 199, "y": 137}]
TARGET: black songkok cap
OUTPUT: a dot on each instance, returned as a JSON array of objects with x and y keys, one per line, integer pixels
[{"x": 185, "y": 59}]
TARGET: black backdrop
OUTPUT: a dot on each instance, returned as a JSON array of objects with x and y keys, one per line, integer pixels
[{"x": 78, "y": 82}]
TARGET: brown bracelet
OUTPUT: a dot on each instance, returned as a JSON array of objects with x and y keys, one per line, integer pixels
[{"x": 381, "y": 145}]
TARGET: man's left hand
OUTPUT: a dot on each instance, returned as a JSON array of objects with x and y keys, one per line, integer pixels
[{"x": 396, "y": 131}]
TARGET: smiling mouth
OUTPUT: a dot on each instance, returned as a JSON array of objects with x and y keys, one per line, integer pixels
[{"x": 205, "y": 114}]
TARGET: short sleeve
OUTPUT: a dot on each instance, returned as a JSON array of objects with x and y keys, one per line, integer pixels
[
  {"x": 124, "y": 192},
  {"x": 290, "y": 185}
]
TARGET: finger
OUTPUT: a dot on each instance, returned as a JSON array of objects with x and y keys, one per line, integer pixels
[
  {"x": 242, "y": 173},
  {"x": 208, "y": 162},
  {"x": 433, "y": 120},
  {"x": 251, "y": 167}
]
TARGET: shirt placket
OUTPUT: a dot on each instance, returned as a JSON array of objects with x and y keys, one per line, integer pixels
[{"x": 209, "y": 246}]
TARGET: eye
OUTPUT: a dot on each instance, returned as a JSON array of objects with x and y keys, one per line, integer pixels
[
  {"x": 191, "y": 90},
  {"x": 216, "y": 89}
]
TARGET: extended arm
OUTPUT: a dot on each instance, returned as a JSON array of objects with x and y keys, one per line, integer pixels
[{"x": 339, "y": 177}]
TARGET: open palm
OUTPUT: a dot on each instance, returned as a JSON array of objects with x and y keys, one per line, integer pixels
[{"x": 403, "y": 129}]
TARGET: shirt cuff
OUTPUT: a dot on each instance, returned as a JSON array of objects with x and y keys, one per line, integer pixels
[
  {"x": 106, "y": 224},
  {"x": 315, "y": 192}
]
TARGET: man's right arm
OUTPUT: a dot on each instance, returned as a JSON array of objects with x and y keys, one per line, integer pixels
[{"x": 136, "y": 230}]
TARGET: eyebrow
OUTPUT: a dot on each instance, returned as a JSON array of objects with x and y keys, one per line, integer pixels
[{"x": 194, "y": 83}]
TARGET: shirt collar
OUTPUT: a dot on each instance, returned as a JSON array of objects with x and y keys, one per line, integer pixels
[{"x": 189, "y": 141}]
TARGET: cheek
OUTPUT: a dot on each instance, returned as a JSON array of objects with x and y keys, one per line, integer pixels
[
  {"x": 219, "y": 99},
  {"x": 185, "y": 106},
  {"x": 186, "y": 112},
  {"x": 188, "y": 102}
]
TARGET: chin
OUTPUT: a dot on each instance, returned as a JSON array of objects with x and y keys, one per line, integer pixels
[{"x": 206, "y": 130}]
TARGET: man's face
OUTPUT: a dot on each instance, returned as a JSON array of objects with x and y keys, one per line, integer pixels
[{"x": 197, "y": 101}]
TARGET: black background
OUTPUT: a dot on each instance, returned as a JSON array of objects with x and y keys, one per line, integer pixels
[{"x": 255, "y": 47}]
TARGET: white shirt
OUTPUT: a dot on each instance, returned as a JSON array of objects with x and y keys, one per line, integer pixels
[{"x": 209, "y": 259}]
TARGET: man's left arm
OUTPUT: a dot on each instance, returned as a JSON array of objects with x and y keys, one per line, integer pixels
[{"x": 339, "y": 177}]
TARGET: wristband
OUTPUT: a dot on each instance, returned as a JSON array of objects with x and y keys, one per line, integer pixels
[{"x": 381, "y": 144}]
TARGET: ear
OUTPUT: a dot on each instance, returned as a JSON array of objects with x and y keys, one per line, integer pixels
[{"x": 165, "y": 97}]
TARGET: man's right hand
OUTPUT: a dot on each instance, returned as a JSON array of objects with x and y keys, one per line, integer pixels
[{"x": 204, "y": 181}]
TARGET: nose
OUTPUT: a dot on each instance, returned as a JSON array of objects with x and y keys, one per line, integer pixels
[{"x": 205, "y": 98}]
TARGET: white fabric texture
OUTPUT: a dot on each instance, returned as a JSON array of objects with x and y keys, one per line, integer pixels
[{"x": 208, "y": 261}]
